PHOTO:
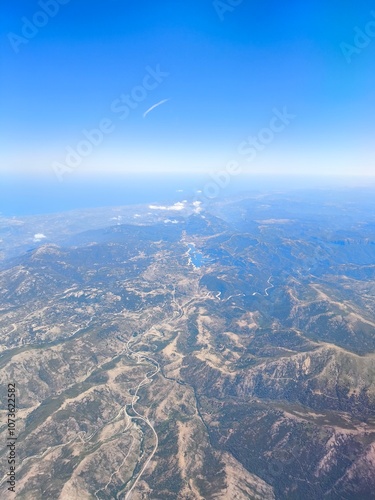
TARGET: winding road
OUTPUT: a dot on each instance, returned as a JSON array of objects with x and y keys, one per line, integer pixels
[{"x": 140, "y": 356}]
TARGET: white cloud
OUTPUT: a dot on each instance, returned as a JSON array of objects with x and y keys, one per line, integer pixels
[
  {"x": 197, "y": 205},
  {"x": 39, "y": 237},
  {"x": 171, "y": 221},
  {"x": 180, "y": 205}
]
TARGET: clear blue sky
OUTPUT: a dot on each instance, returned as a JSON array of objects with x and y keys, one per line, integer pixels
[{"x": 225, "y": 77}]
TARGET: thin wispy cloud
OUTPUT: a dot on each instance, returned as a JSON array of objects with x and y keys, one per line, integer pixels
[{"x": 154, "y": 106}]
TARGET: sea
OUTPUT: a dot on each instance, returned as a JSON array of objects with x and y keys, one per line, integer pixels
[
  {"x": 26, "y": 195},
  {"x": 33, "y": 196}
]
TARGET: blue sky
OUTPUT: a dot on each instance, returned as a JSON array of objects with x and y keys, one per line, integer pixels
[{"x": 226, "y": 75}]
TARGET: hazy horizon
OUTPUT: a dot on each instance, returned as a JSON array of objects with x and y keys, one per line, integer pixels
[{"x": 22, "y": 196}]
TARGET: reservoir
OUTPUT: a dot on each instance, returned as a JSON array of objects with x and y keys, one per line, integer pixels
[{"x": 197, "y": 259}]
